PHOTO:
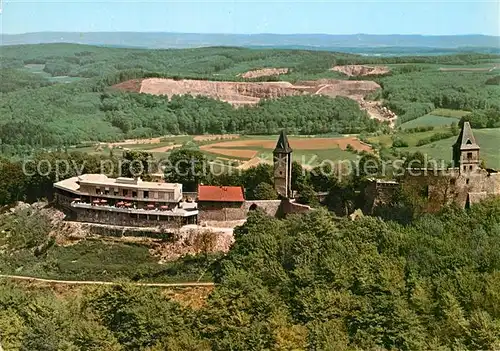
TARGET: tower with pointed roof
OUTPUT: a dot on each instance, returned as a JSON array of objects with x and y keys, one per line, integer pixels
[
  {"x": 466, "y": 150},
  {"x": 283, "y": 166}
]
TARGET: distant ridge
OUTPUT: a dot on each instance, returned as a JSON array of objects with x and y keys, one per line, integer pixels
[{"x": 299, "y": 41}]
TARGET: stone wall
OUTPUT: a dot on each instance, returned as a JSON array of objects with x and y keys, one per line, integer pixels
[
  {"x": 126, "y": 219},
  {"x": 221, "y": 211},
  {"x": 121, "y": 231},
  {"x": 234, "y": 211},
  {"x": 63, "y": 199}
]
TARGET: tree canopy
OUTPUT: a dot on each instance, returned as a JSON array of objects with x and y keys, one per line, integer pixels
[{"x": 310, "y": 281}]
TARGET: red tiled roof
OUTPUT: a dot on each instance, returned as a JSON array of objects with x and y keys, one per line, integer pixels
[{"x": 220, "y": 193}]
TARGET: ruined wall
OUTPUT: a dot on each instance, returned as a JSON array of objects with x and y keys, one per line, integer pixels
[
  {"x": 378, "y": 193},
  {"x": 450, "y": 186},
  {"x": 270, "y": 207},
  {"x": 289, "y": 207}
]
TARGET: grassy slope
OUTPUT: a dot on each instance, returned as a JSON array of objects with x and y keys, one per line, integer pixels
[
  {"x": 100, "y": 260},
  {"x": 488, "y": 140},
  {"x": 446, "y": 112},
  {"x": 410, "y": 138},
  {"x": 429, "y": 120}
]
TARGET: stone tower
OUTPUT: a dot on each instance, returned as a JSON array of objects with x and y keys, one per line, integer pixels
[
  {"x": 466, "y": 151},
  {"x": 283, "y": 166}
]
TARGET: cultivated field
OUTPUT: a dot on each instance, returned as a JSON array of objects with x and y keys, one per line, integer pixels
[
  {"x": 243, "y": 151},
  {"x": 297, "y": 143},
  {"x": 235, "y": 153},
  {"x": 306, "y": 150}
]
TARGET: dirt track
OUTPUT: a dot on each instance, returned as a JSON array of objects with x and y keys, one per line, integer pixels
[
  {"x": 92, "y": 282},
  {"x": 465, "y": 69},
  {"x": 164, "y": 148},
  {"x": 215, "y": 137}
]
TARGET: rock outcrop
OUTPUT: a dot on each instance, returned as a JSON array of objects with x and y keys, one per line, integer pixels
[
  {"x": 360, "y": 70},
  {"x": 264, "y": 72}
]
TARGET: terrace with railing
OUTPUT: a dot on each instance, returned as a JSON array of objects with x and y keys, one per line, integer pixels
[{"x": 182, "y": 210}]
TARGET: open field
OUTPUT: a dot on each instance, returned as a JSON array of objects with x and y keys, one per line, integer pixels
[
  {"x": 446, "y": 112},
  {"x": 429, "y": 120},
  {"x": 298, "y": 143},
  {"x": 243, "y": 151},
  {"x": 307, "y": 151},
  {"x": 38, "y": 69},
  {"x": 488, "y": 140},
  {"x": 236, "y": 153},
  {"x": 437, "y": 118},
  {"x": 410, "y": 138}
]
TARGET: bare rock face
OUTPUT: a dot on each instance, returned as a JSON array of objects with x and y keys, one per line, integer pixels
[
  {"x": 361, "y": 70},
  {"x": 250, "y": 93},
  {"x": 238, "y": 93},
  {"x": 264, "y": 72}
]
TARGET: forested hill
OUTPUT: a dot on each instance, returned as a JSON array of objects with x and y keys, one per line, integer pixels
[
  {"x": 38, "y": 110},
  {"x": 310, "y": 41},
  {"x": 313, "y": 282}
]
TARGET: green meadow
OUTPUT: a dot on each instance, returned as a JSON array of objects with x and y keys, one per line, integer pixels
[{"x": 488, "y": 140}]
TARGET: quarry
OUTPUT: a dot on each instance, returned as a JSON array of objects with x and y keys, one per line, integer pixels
[{"x": 250, "y": 93}]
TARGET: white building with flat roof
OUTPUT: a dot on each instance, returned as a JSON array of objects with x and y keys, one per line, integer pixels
[{"x": 123, "y": 201}]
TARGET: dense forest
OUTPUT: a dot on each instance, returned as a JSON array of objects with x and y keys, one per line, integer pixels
[
  {"x": 92, "y": 61},
  {"x": 404, "y": 280},
  {"x": 311, "y": 282},
  {"x": 38, "y": 111},
  {"x": 417, "y": 93}
]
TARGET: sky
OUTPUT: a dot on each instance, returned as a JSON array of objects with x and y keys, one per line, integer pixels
[{"x": 427, "y": 17}]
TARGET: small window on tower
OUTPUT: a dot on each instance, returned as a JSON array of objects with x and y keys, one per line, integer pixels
[
  {"x": 470, "y": 168},
  {"x": 467, "y": 181},
  {"x": 469, "y": 155},
  {"x": 281, "y": 173}
]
